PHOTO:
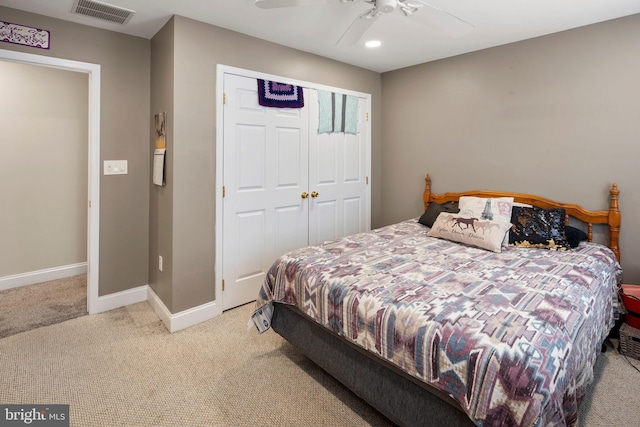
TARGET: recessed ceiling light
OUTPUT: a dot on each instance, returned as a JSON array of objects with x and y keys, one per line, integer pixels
[{"x": 373, "y": 43}]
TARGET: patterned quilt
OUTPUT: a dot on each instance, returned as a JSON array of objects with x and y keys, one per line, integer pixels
[{"x": 512, "y": 337}]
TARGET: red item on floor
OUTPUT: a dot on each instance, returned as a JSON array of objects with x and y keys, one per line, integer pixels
[{"x": 630, "y": 295}]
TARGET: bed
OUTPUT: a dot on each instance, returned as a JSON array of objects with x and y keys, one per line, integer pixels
[{"x": 431, "y": 331}]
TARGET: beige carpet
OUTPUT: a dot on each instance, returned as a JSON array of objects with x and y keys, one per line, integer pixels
[
  {"x": 30, "y": 307},
  {"x": 123, "y": 368}
]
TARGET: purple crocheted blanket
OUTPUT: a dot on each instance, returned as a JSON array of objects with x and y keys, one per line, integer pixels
[{"x": 279, "y": 95}]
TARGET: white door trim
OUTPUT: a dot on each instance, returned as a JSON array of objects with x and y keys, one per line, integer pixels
[
  {"x": 93, "y": 214},
  {"x": 221, "y": 70}
]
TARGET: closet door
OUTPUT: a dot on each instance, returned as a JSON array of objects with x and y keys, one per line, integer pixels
[
  {"x": 337, "y": 178},
  {"x": 265, "y": 176}
]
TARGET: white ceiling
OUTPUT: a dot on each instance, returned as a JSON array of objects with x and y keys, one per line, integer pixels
[{"x": 405, "y": 40}]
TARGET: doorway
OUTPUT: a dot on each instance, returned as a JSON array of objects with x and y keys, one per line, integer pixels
[{"x": 93, "y": 185}]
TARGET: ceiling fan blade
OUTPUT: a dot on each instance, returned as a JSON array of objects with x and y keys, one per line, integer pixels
[
  {"x": 275, "y": 4},
  {"x": 449, "y": 22},
  {"x": 357, "y": 29}
]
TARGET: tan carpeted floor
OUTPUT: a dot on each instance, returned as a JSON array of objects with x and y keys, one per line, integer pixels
[
  {"x": 30, "y": 307},
  {"x": 122, "y": 368}
]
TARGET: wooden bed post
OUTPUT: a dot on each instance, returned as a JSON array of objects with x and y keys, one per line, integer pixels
[
  {"x": 427, "y": 192},
  {"x": 614, "y": 221}
]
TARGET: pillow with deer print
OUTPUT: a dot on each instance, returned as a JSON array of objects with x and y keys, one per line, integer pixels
[{"x": 481, "y": 233}]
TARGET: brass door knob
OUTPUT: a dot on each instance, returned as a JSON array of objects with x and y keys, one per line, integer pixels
[
  {"x": 304, "y": 195},
  {"x": 314, "y": 194}
]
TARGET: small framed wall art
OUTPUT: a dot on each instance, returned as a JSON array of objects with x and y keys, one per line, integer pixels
[{"x": 24, "y": 35}]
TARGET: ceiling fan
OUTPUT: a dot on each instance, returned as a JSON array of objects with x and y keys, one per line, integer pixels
[{"x": 451, "y": 23}]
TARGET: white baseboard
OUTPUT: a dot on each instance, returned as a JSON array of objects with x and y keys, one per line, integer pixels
[
  {"x": 173, "y": 322},
  {"x": 120, "y": 299},
  {"x": 183, "y": 319},
  {"x": 39, "y": 276}
]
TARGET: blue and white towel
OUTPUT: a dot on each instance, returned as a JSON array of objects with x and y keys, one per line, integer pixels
[{"x": 338, "y": 113}]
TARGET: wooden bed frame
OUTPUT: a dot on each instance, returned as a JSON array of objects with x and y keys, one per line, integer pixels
[
  {"x": 403, "y": 399},
  {"x": 610, "y": 217}
]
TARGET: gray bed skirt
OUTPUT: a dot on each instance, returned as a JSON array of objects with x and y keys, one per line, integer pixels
[{"x": 401, "y": 398}]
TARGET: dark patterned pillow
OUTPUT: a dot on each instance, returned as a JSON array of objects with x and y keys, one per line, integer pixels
[
  {"x": 429, "y": 216},
  {"x": 575, "y": 236},
  {"x": 538, "y": 228}
]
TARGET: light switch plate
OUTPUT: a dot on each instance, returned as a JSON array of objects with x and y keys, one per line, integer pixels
[{"x": 116, "y": 167}]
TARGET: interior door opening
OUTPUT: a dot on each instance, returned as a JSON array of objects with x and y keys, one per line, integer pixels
[{"x": 93, "y": 161}]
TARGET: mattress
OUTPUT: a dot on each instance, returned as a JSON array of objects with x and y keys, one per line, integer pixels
[{"x": 511, "y": 337}]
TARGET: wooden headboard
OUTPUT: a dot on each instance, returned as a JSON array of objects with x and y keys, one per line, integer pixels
[{"x": 610, "y": 217}]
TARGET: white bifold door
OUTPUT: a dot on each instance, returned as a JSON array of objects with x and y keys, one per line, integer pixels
[{"x": 285, "y": 186}]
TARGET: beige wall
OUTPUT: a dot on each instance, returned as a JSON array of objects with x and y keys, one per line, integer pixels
[
  {"x": 198, "y": 48},
  {"x": 43, "y": 168},
  {"x": 556, "y": 116},
  {"x": 161, "y": 198},
  {"x": 124, "y": 134}
]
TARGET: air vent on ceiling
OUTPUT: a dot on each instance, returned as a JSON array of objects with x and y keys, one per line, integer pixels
[{"x": 104, "y": 11}]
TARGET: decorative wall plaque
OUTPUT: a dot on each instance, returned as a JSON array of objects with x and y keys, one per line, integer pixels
[{"x": 23, "y": 35}]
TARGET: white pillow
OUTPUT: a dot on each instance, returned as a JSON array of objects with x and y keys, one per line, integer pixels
[
  {"x": 522, "y": 205},
  {"x": 491, "y": 209},
  {"x": 483, "y": 234}
]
